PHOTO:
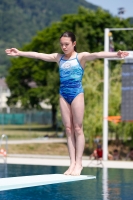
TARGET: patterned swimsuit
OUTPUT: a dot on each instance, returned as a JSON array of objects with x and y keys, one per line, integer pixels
[{"x": 71, "y": 74}]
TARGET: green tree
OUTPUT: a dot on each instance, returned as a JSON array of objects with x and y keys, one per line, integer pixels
[
  {"x": 93, "y": 87},
  {"x": 20, "y": 20},
  {"x": 25, "y": 71}
]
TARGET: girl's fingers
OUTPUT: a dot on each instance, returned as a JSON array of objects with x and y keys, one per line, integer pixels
[
  {"x": 8, "y": 50},
  {"x": 123, "y": 54}
]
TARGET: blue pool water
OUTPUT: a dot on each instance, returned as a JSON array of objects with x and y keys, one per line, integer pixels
[{"x": 110, "y": 184}]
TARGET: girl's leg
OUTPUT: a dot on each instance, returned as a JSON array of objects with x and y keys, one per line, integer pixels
[
  {"x": 77, "y": 108},
  {"x": 67, "y": 121}
]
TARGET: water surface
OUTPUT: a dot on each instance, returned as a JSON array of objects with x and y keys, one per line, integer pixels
[{"x": 110, "y": 184}]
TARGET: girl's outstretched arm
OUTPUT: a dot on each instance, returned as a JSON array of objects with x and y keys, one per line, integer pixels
[
  {"x": 54, "y": 57},
  {"x": 91, "y": 56}
]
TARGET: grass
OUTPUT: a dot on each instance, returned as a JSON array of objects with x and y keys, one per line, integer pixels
[
  {"x": 23, "y": 132},
  {"x": 19, "y": 132},
  {"x": 27, "y": 131},
  {"x": 42, "y": 149},
  {"x": 39, "y": 149}
]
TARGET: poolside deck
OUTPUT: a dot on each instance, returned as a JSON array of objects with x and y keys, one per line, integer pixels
[{"x": 63, "y": 161}]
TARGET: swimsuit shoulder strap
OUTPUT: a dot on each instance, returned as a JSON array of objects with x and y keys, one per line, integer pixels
[
  {"x": 61, "y": 58},
  {"x": 77, "y": 57},
  {"x": 79, "y": 61}
]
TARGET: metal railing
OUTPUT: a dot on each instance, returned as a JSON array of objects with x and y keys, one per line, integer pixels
[
  {"x": 5, "y": 150},
  {"x": 3, "y": 155}
]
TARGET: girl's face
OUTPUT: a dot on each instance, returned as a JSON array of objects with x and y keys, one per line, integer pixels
[{"x": 67, "y": 45}]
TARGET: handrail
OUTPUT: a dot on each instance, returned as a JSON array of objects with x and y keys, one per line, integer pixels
[{"x": 6, "y": 140}]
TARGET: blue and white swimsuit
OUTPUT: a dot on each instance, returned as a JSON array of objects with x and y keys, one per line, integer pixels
[{"x": 71, "y": 73}]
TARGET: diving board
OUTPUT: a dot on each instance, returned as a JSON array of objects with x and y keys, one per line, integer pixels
[{"x": 37, "y": 180}]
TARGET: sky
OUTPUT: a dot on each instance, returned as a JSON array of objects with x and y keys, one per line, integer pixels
[{"x": 113, "y": 5}]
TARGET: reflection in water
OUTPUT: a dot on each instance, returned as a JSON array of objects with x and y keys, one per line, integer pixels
[
  {"x": 105, "y": 183},
  {"x": 3, "y": 169}
]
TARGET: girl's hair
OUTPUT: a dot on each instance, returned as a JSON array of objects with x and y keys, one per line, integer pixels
[{"x": 70, "y": 35}]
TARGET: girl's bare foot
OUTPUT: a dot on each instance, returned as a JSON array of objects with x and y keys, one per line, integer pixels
[
  {"x": 77, "y": 170},
  {"x": 70, "y": 169}
]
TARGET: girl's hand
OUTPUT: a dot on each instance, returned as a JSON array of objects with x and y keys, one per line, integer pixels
[
  {"x": 122, "y": 54},
  {"x": 12, "y": 52}
]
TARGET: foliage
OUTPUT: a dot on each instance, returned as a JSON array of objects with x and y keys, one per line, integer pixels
[
  {"x": 131, "y": 20},
  {"x": 22, "y": 19},
  {"x": 93, "y": 88}
]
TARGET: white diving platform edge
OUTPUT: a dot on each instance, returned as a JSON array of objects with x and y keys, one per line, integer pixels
[{"x": 39, "y": 180}]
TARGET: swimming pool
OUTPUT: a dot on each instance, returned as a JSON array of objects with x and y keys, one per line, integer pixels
[{"x": 110, "y": 184}]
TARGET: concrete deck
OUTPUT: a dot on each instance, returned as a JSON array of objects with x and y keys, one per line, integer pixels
[{"x": 62, "y": 161}]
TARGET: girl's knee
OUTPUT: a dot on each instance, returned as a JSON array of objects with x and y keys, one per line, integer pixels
[
  {"x": 68, "y": 131},
  {"x": 78, "y": 130}
]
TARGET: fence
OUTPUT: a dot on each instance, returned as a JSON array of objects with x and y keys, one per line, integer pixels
[{"x": 39, "y": 117}]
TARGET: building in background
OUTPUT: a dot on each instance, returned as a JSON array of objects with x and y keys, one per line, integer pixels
[{"x": 4, "y": 94}]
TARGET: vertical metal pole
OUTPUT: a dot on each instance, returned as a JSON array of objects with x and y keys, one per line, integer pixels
[{"x": 105, "y": 101}]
